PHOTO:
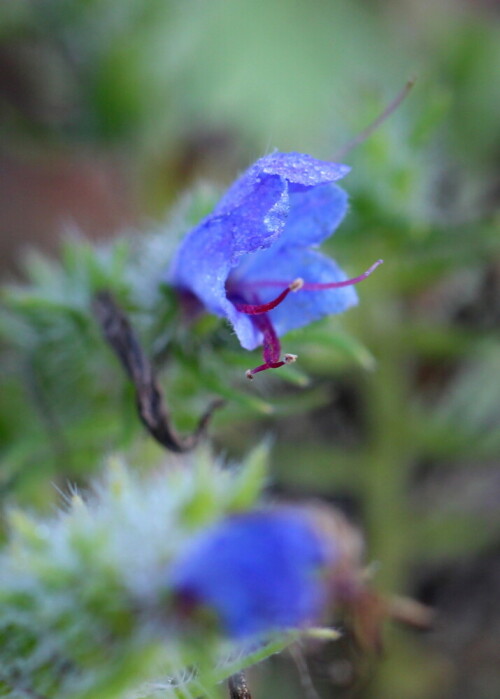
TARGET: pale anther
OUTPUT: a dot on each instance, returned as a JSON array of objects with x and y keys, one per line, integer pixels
[{"x": 296, "y": 284}]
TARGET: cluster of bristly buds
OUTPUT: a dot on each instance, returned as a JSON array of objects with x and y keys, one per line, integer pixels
[{"x": 252, "y": 260}]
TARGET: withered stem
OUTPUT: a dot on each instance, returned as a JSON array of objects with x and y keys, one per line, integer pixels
[
  {"x": 151, "y": 407},
  {"x": 238, "y": 688}
]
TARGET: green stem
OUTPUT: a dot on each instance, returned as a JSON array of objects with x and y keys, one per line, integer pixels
[{"x": 386, "y": 476}]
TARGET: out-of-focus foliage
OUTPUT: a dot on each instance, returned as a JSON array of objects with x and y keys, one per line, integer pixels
[
  {"x": 179, "y": 81},
  {"x": 85, "y": 598},
  {"x": 392, "y": 409}
]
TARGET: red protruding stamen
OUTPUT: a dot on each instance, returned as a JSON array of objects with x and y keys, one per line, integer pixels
[
  {"x": 271, "y": 344},
  {"x": 263, "y": 367},
  {"x": 271, "y": 348},
  {"x": 314, "y": 286},
  {"x": 257, "y": 309}
]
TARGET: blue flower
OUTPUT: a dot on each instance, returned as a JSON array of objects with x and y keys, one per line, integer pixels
[
  {"x": 260, "y": 238},
  {"x": 258, "y": 572}
]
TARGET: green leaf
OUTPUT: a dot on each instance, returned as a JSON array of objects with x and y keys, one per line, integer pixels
[{"x": 251, "y": 477}]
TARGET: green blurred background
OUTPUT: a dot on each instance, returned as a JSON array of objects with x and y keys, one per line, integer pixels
[{"x": 111, "y": 109}]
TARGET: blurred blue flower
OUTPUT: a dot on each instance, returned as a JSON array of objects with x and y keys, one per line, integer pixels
[
  {"x": 260, "y": 238},
  {"x": 258, "y": 572}
]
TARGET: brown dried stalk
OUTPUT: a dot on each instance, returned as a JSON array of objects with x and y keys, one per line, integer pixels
[{"x": 151, "y": 407}]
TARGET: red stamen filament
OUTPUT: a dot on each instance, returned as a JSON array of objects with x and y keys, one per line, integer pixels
[
  {"x": 338, "y": 285},
  {"x": 271, "y": 348},
  {"x": 315, "y": 286},
  {"x": 257, "y": 309},
  {"x": 271, "y": 344}
]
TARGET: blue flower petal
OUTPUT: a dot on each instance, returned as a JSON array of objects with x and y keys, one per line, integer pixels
[
  {"x": 314, "y": 215},
  {"x": 299, "y": 170},
  {"x": 258, "y": 571},
  {"x": 209, "y": 252},
  {"x": 282, "y": 204}
]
